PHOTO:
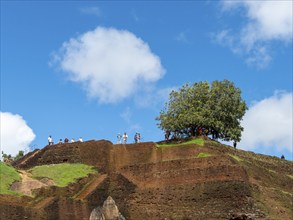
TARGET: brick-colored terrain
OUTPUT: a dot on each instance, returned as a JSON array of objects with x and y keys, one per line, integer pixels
[{"x": 154, "y": 183}]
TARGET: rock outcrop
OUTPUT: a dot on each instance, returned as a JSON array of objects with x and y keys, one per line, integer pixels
[
  {"x": 149, "y": 182},
  {"x": 109, "y": 211}
]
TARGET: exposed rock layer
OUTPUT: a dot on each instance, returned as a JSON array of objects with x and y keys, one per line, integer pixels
[{"x": 147, "y": 182}]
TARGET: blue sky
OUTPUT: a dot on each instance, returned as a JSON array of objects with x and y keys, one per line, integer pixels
[{"x": 93, "y": 69}]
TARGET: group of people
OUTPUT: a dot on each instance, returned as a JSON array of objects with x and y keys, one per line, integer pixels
[
  {"x": 66, "y": 140},
  {"x": 123, "y": 138}
]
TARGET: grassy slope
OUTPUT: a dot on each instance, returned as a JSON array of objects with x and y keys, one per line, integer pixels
[
  {"x": 269, "y": 177},
  {"x": 197, "y": 141},
  {"x": 62, "y": 174},
  {"x": 8, "y": 175},
  {"x": 200, "y": 155}
]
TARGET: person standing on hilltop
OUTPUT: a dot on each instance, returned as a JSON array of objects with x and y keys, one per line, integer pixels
[
  {"x": 138, "y": 137},
  {"x": 119, "y": 138},
  {"x": 167, "y": 135},
  {"x": 135, "y": 138},
  {"x": 235, "y": 144},
  {"x": 80, "y": 139},
  {"x": 125, "y": 136},
  {"x": 50, "y": 140}
]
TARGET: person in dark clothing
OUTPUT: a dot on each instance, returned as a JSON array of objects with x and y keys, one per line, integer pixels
[
  {"x": 235, "y": 144},
  {"x": 135, "y": 138}
]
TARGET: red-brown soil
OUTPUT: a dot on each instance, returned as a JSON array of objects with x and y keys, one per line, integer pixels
[{"x": 147, "y": 182}]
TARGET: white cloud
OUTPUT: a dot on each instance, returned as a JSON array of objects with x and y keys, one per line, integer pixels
[
  {"x": 259, "y": 57},
  {"x": 111, "y": 64},
  {"x": 16, "y": 135},
  {"x": 267, "y": 21},
  {"x": 268, "y": 123}
]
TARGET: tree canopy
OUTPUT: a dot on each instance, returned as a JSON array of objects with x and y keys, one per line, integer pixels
[{"x": 201, "y": 108}]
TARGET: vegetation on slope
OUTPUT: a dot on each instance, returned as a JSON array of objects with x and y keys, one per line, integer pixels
[
  {"x": 200, "y": 155},
  {"x": 8, "y": 175},
  {"x": 62, "y": 174},
  {"x": 290, "y": 176},
  {"x": 235, "y": 157},
  {"x": 197, "y": 141}
]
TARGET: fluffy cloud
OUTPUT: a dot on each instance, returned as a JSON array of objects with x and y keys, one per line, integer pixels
[
  {"x": 111, "y": 64},
  {"x": 267, "y": 21},
  {"x": 16, "y": 135},
  {"x": 268, "y": 123}
]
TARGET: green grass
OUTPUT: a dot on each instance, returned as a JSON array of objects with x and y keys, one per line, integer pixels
[
  {"x": 62, "y": 174},
  {"x": 235, "y": 157},
  {"x": 290, "y": 176},
  {"x": 197, "y": 141},
  {"x": 8, "y": 175},
  {"x": 200, "y": 155}
]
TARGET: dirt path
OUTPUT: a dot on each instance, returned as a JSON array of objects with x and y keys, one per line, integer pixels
[{"x": 28, "y": 184}]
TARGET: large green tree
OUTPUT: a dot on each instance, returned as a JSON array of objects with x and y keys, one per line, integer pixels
[{"x": 215, "y": 109}]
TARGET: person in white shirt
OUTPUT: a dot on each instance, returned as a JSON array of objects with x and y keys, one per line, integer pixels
[
  {"x": 119, "y": 138},
  {"x": 72, "y": 140},
  {"x": 124, "y": 138},
  {"x": 138, "y": 137},
  {"x": 80, "y": 139},
  {"x": 50, "y": 140}
]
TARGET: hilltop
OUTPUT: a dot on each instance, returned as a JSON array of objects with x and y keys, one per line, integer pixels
[{"x": 196, "y": 179}]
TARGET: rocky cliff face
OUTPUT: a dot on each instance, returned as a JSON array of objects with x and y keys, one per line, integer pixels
[{"x": 148, "y": 182}]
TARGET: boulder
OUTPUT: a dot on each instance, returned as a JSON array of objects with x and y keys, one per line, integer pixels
[{"x": 109, "y": 211}]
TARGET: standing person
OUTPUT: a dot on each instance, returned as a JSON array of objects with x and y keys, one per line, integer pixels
[
  {"x": 167, "y": 135},
  {"x": 66, "y": 140},
  {"x": 235, "y": 144},
  {"x": 72, "y": 140},
  {"x": 125, "y": 136},
  {"x": 135, "y": 138},
  {"x": 80, "y": 139},
  {"x": 50, "y": 140},
  {"x": 138, "y": 137},
  {"x": 119, "y": 138}
]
